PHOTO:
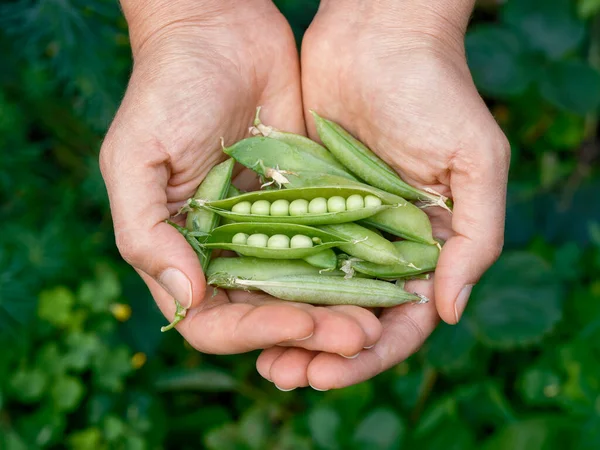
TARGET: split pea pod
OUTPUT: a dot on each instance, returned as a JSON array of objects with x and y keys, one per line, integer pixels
[
  {"x": 271, "y": 240},
  {"x": 307, "y": 206},
  {"x": 366, "y": 165},
  {"x": 269, "y": 157},
  {"x": 222, "y": 270},
  {"x": 301, "y": 143},
  {"x": 364, "y": 243},
  {"x": 407, "y": 221},
  {"x": 320, "y": 290},
  {"x": 419, "y": 259},
  {"x": 215, "y": 186}
]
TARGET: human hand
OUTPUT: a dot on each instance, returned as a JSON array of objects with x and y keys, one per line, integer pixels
[
  {"x": 395, "y": 75},
  {"x": 200, "y": 71}
]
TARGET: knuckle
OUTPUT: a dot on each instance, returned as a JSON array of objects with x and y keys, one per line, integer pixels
[{"x": 128, "y": 247}]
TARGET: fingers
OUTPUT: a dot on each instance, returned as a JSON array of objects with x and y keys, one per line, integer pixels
[
  {"x": 478, "y": 181},
  {"x": 405, "y": 329},
  {"x": 217, "y": 326},
  {"x": 344, "y": 330}
]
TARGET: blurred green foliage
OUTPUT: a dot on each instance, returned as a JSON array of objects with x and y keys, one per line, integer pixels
[{"x": 83, "y": 365}]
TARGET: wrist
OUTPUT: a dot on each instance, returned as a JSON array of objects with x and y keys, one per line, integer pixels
[
  {"x": 148, "y": 19},
  {"x": 438, "y": 23}
]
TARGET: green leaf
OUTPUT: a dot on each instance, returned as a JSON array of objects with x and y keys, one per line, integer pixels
[
  {"x": 88, "y": 439},
  {"x": 324, "y": 425},
  {"x": 9, "y": 440},
  {"x": 450, "y": 348},
  {"x": 200, "y": 379},
  {"x": 114, "y": 428},
  {"x": 111, "y": 367},
  {"x": 517, "y": 302},
  {"x": 407, "y": 388},
  {"x": 539, "y": 433},
  {"x": 67, "y": 391},
  {"x": 81, "y": 349},
  {"x": 45, "y": 426},
  {"x": 255, "y": 427},
  {"x": 572, "y": 86},
  {"x": 381, "y": 429},
  {"x": 224, "y": 438},
  {"x": 498, "y": 60},
  {"x": 50, "y": 360},
  {"x": 539, "y": 386},
  {"x": 28, "y": 385},
  {"x": 589, "y": 437},
  {"x": 588, "y": 8},
  {"x": 550, "y": 26},
  {"x": 55, "y": 306},
  {"x": 350, "y": 401}
]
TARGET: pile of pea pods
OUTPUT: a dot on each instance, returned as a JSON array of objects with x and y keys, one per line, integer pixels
[{"x": 332, "y": 224}]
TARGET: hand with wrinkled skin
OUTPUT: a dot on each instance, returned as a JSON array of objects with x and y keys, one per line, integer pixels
[
  {"x": 395, "y": 76},
  {"x": 200, "y": 70}
]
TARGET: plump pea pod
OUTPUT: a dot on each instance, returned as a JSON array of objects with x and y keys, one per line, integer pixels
[
  {"x": 214, "y": 187},
  {"x": 271, "y": 157},
  {"x": 250, "y": 268},
  {"x": 364, "y": 243},
  {"x": 328, "y": 290},
  {"x": 408, "y": 221},
  {"x": 299, "y": 142},
  {"x": 224, "y": 207},
  {"x": 419, "y": 258},
  {"x": 222, "y": 237},
  {"x": 366, "y": 165},
  {"x": 327, "y": 259}
]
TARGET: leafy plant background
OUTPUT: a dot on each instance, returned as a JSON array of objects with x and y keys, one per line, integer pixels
[{"x": 83, "y": 365}]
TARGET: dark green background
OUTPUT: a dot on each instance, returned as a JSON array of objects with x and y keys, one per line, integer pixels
[{"x": 78, "y": 371}]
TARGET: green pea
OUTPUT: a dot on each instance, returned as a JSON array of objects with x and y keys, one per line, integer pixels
[
  {"x": 317, "y": 206},
  {"x": 239, "y": 238},
  {"x": 257, "y": 240},
  {"x": 280, "y": 207},
  {"x": 298, "y": 207},
  {"x": 301, "y": 241},
  {"x": 372, "y": 202},
  {"x": 336, "y": 204},
  {"x": 355, "y": 201},
  {"x": 332, "y": 290},
  {"x": 261, "y": 208},
  {"x": 279, "y": 241},
  {"x": 242, "y": 208}
]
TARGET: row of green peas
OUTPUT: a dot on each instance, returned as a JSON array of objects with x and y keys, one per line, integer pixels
[
  {"x": 299, "y": 207},
  {"x": 274, "y": 241}
]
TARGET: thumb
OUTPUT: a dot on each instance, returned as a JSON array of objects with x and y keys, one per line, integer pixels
[
  {"x": 136, "y": 173},
  {"x": 478, "y": 181}
]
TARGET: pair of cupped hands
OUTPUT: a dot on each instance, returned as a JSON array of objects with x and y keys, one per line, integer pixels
[{"x": 394, "y": 76}]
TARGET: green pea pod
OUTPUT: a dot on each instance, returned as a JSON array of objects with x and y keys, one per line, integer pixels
[
  {"x": 327, "y": 259},
  {"x": 366, "y": 165},
  {"x": 223, "y": 207},
  {"x": 271, "y": 158},
  {"x": 320, "y": 290},
  {"x": 246, "y": 267},
  {"x": 419, "y": 259},
  {"x": 408, "y": 221},
  {"x": 233, "y": 191},
  {"x": 364, "y": 243},
  {"x": 297, "y": 141},
  {"x": 221, "y": 237},
  {"x": 215, "y": 186}
]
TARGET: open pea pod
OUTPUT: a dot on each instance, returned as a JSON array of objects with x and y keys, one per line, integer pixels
[
  {"x": 221, "y": 237},
  {"x": 224, "y": 207}
]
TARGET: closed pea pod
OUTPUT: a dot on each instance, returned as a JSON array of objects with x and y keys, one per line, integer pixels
[
  {"x": 214, "y": 187},
  {"x": 365, "y": 164},
  {"x": 320, "y": 290},
  {"x": 272, "y": 240},
  {"x": 316, "y": 197},
  {"x": 327, "y": 259},
  {"x": 364, "y": 243}
]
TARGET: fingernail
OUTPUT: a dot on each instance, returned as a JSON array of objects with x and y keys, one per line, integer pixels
[
  {"x": 320, "y": 390},
  {"x": 461, "y": 301},
  {"x": 370, "y": 346},
  {"x": 284, "y": 390},
  {"x": 349, "y": 357},
  {"x": 178, "y": 285},
  {"x": 305, "y": 338}
]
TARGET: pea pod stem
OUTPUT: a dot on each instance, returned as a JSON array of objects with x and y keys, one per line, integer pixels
[{"x": 180, "y": 313}]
